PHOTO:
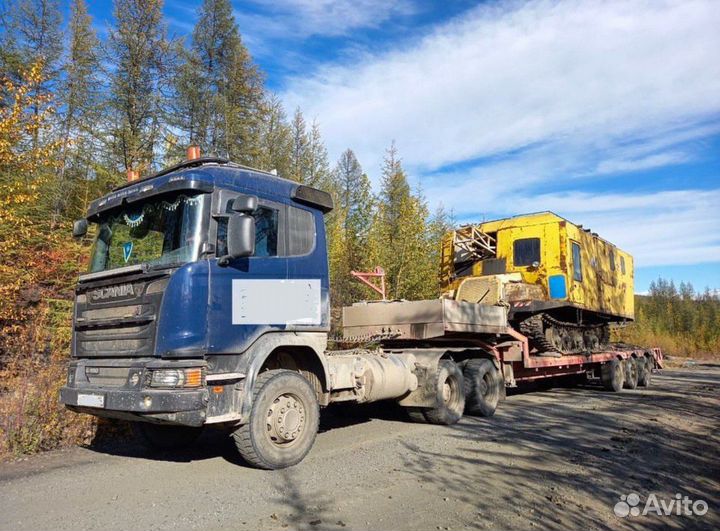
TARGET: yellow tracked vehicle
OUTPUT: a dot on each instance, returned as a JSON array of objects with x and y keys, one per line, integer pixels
[{"x": 562, "y": 283}]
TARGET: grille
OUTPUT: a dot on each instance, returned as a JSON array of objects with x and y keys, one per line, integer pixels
[{"x": 107, "y": 376}]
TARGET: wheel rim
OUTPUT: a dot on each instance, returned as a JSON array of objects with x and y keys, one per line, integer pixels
[
  {"x": 286, "y": 419},
  {"x": 451, "y": 392}
]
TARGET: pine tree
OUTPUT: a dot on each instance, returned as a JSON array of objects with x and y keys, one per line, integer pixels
[
  {"x": 318, "y": 169},
  {"x": 38, "y": 40},
  {"x": 220, "y": 90},
  {"x": 276, "y": 138},
  {"x": 348, "y": 229},
  {"x": 300, "y": 143},
  {"x": 398, "y": 239},
  {"x": 140, "y": 52},
  {"x": 80, "y": 92}
]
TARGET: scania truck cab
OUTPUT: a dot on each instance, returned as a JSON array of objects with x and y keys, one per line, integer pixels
[{"x": 207, "y": 292}]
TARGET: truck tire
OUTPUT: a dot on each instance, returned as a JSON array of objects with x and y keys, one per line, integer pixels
[
  {"x": 483, "y": 387},
  {"x": 449, "y": 395},
  {"x": 631, "y": 373},
  {"x": 165, "y": 437},
  {"x": 612, "y": 375},
  {"x": 283, "y": 421},
  {"x": 644, "y": 371}
]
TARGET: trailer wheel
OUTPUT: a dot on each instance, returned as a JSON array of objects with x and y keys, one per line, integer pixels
[
  {"x": 612, "y": 375},
  {"x": 631, "y": 373},
  {"x": 644, "y": 371},
  {"x": 283, "y": 421},
  {"x": 165, "y": 437},
  {"x": 483, "y": 387},
  {"x": 449, "y": 395}
]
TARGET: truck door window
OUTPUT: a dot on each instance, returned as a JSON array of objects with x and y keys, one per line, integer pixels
[
  {"x": 266, "y": 233},
  {"x": 577, "y": 262},
  {"x": 526, "y": 251}
]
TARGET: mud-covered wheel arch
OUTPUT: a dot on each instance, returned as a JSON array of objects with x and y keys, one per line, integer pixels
[{"x": 301, "y": 359}]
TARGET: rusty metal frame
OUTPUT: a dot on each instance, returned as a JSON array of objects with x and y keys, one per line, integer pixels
[{"x": 365, "y": 277}]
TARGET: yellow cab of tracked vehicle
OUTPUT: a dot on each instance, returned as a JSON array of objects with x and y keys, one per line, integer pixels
[{"x": 541, "y": 260}]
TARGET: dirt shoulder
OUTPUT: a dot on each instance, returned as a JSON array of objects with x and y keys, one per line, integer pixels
[{"x": 555, "y": 459}]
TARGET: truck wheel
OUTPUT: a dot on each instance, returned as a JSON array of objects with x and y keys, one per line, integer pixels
[
  {"x": 631, "y": 373},
  {"x": 449, "y": 395},
  {"x": 164, "y": 437},
  {"x": 283, "y": 421},
  {"x": 483, "y": 387},
  {"x": 612, "y": 375},
  {"x": 644, "y": 372}
]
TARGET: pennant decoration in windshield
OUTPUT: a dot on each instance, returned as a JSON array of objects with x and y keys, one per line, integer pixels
[{"x": 127, "y": 250}]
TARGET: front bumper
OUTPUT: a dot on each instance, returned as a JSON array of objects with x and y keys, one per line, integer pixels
[{"x": 173, "y": 406}]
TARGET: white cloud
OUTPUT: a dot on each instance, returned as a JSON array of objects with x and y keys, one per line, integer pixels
[
  {"x": 504, "y": 77},
  {"x": 498, "y": 108},
  {"x": 299, "y": 19}
]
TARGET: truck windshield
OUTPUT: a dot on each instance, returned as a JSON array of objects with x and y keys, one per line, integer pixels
[{"x": 161, "y": 231}]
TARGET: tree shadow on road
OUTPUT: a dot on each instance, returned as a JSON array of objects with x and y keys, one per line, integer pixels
[{"x": 560, "y": 466}]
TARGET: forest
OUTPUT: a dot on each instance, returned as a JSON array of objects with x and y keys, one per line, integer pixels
[{"x": 78, "y": 111}]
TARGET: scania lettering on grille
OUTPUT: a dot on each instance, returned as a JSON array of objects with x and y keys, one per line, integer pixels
[{"x": 111, "y": 292}]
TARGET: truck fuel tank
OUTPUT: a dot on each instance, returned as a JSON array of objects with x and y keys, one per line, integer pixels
[{"x": 370, "y": 375}]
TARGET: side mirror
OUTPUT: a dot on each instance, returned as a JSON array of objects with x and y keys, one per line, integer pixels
[
  {"x": 245, "y": 204},
  {"x": 240, "y": 237},
  {"x": 80, "y": 228}
]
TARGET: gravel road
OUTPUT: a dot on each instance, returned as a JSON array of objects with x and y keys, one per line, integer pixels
[{"x": 549, "y": 459}]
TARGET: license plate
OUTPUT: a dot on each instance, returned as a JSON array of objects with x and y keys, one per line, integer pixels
[{"x": 91, "y": 400}]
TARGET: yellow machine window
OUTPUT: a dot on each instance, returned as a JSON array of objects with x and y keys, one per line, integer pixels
[
  {"x": 526, "y": 251},
  {"x": 577, "y": 262},
  {"x": 622, "y": 264},
  {"x": 612, "y": 260}
]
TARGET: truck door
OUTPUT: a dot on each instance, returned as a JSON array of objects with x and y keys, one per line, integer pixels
[{"x": 231, "y": 330}]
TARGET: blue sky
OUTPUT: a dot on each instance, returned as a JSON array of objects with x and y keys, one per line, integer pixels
[{"x": 606, "y": 112}]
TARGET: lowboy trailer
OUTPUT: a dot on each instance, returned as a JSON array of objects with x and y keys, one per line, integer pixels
[{"x": 207, "y": 303}]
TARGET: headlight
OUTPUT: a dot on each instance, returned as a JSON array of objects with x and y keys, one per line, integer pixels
[{"x": 177, "y": 378}]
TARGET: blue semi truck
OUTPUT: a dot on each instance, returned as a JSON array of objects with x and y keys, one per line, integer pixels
[{"x": 207, "y": 303}]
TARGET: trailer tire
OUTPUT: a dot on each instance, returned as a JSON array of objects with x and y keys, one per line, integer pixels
[
  {"x": 449, "y": 395},
  {"x": 612, "y": 375},
  {"x": 283, "y": 421},
  {"x": 165, "y": 437},
  {"x": 631, "y": 373},
  {"x": 483, "y": 387},
  {"x": 644, "y": 371}
]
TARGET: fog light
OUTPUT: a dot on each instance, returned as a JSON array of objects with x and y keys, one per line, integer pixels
[
  {"x": 147, "y": 402},
  {"x": 71, "y": 376},
  {"x": 134, "y": 379}
]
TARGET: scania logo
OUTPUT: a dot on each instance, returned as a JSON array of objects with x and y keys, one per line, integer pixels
[{"x": 111, "y": 292}]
